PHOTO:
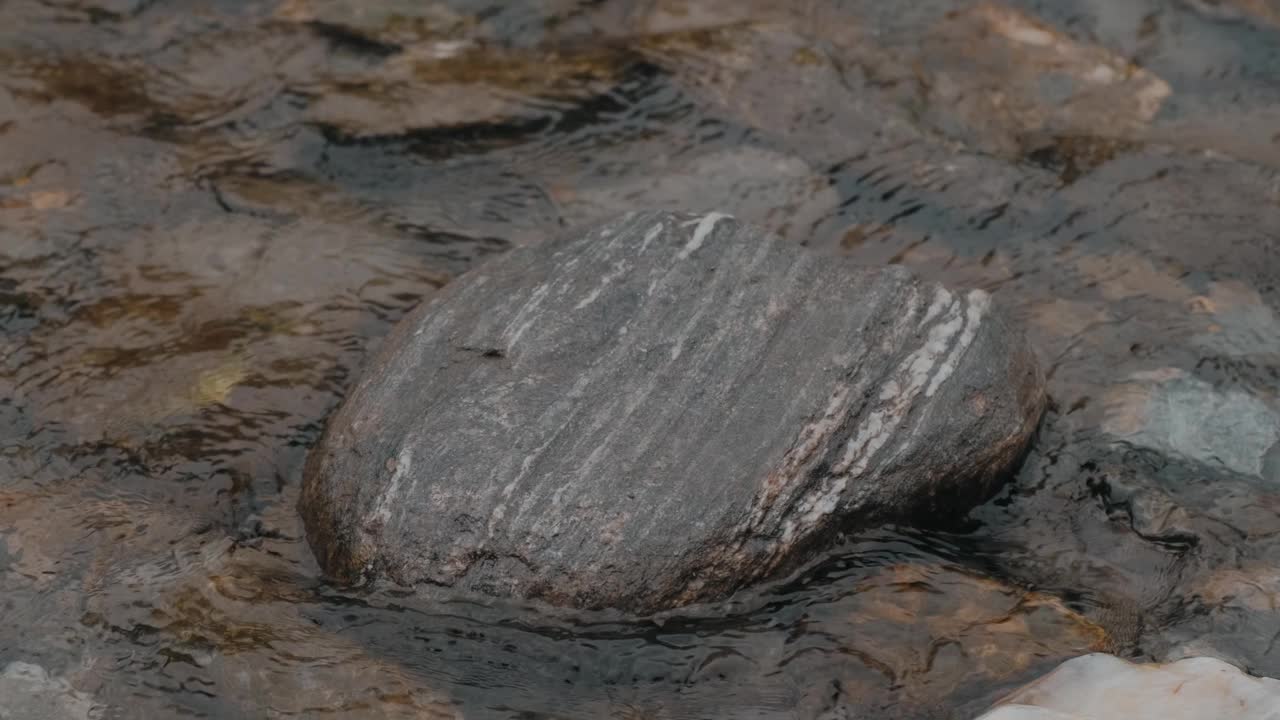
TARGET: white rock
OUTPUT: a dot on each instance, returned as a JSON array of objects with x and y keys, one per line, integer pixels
[
  {"x": 1103, "y": 687},
  {"x": 1026, "y": 712}
]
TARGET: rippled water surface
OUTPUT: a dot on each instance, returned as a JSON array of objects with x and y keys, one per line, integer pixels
[{"x": 211, "y": 211}]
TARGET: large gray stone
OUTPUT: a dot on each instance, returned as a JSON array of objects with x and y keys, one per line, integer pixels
[{"x": 659, "y": 411}]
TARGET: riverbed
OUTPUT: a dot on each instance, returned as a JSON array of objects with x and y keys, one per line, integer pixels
[{"x": 212, "y": 211}]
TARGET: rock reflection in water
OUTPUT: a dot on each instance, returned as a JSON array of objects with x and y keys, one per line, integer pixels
[{"x": 211, "y": 212}]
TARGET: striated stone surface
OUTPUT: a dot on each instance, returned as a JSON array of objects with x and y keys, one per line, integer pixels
[
  {"x": 1102, "y": 687},
  {"x": 661, "y": 410}
]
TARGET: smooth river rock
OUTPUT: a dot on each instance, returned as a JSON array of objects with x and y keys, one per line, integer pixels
[{"x": 662, "y": 410}]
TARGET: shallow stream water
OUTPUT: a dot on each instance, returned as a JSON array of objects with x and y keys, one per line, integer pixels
[{"x": 211, "y": 211}]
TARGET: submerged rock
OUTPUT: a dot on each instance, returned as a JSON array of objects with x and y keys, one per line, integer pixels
[
  {"x": 996, "y": 75},
  {"x": 457, "y": 85},
  {"x": 386, "y": 23},
  {"x": 773, "y": 190},
  {"x": 1266, "y": 12},
  {"x": 947, "y": 629},
  {"x": 1102, "y": 687},
  {"x": 834, "y": 104},
  {"x": 28, "y": 691},
  {"x": 659, "y": 411},
  {"x": 1172, "y": 412},
  {"x": 1242, "y": 322}
]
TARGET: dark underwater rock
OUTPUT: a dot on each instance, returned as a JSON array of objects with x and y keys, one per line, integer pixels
[{"x": 662, "y": 410}]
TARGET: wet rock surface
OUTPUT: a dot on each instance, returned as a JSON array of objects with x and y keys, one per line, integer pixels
[
  {"x": 1173, "y": 413},
  {"x": 27, "y": 692},
  {"x": 662, "y": 410},
  {"x": 206, "y": 226},
  {"x": 1005, "y": 78},
  {"x": 1102, "y": 687},
  {"x": 775, "y": 191}
]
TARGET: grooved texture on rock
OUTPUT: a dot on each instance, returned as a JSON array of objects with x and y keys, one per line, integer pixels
[{"x": 661, "y": 410}]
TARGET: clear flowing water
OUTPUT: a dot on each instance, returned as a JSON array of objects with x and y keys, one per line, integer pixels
[{"x": 211, "y": 211}]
